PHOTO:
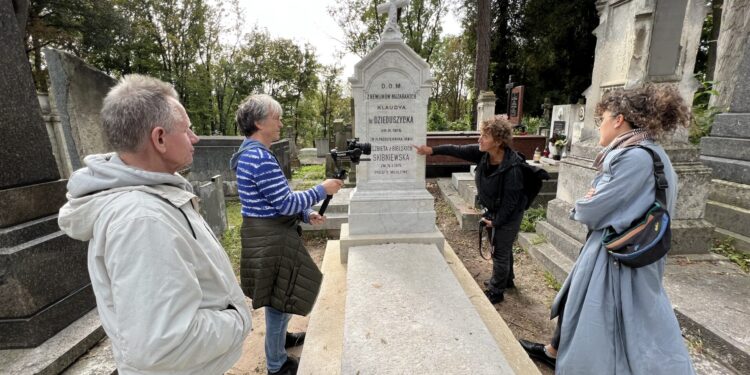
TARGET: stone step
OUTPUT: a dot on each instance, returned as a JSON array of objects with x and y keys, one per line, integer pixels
[
  {"x": 710, "y": 301},
  {"x": 467, "y": 216},
  {"x": 728, "y": 217},
  {"x": 728, "y": 169},
  {"x": 731, "y": 193},
  {"x": 736, "y": 125},
  {"x": 727, "y": 148},
  {"x": 457, "y": 178},
  {"x": 401, "y": 296},
  {"x": 98, "y": 361},
  {"x": 553, "y": 260},
  {"x": 740, "y": 242},
  {"x": 58, "y": 352},
  {"x": 564, "y": 243}
]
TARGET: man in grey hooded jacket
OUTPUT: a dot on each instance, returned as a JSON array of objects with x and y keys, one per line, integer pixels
[{"x": 165, "y": 290}]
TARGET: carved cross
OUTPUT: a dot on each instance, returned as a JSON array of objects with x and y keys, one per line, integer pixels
[{"x": 392, "y": 7}]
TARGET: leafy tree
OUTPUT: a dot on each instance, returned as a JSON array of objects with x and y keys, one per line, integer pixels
[
  {"x": 421, "y": 24},
  {"x": 452, "y": 75}
]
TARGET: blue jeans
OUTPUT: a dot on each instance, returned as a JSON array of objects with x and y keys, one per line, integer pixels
[{"x": 276, "y": 323}]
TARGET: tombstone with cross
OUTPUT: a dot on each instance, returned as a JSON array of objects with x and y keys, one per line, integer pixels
[{"x": 391, "y": 30}]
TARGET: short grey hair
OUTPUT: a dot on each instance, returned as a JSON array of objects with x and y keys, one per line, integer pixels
[
  {"x": 133, "y": 107},
  {"x": 255, "y": 108}
]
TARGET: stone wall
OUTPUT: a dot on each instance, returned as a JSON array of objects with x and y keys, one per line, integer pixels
[{"x": 212, "y": 154}]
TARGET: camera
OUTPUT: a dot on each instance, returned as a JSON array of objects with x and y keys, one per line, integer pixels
[{"x": 354, "y": 151}]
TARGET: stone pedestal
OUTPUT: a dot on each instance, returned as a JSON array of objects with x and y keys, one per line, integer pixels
[
  {"x": 637, "y": 42},
  {"x": 485, "y": 106},
  {"x": 44, "y": 283}
]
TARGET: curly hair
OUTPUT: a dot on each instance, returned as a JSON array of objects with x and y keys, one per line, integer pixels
[
  {"x": 658, "y": 109},
  {"x": 499, "y": 128}
]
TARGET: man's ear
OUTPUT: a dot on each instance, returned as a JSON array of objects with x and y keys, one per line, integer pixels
[{"x": 157, "y": 139}]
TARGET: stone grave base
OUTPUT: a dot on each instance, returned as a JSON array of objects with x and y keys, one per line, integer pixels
[
  {"x": 351, "y": 240},
  {"x": 331, "y": 323}
]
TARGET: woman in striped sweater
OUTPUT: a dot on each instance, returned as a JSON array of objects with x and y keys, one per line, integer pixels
[{"x": 276, "y": 270}]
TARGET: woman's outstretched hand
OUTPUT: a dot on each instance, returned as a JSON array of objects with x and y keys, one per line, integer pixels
[{"x": 423, "y": 149}]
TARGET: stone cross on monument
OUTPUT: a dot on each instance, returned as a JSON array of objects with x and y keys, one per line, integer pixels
[{"x": 391, "y": 31}]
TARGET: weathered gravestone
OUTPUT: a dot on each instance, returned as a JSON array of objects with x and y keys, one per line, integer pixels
[
  {"x": 638, "y": 41},
  {"x": 44, "y": 284},
  {"x": 727, "y": 150},
  {"x": 391, "y": 87},
  {"x": 515, "y": 106},
  {"x": 78, "y": 91},
  {"x": 485, "y": 106}
]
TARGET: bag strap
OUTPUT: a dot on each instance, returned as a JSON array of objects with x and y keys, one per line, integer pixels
[{"x": 660, "y": 179}]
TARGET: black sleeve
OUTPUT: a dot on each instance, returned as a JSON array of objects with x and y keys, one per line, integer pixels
[
  {"x": 513, "y": 196},
  {"x": 469, "y": 153}
]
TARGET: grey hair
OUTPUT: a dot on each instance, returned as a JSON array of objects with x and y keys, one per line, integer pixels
[
  {"x": 133, "y": 107},
  {"x": 255, "y": 108}
]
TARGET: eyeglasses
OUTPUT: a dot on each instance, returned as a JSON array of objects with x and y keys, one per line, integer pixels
[{"x": 599, "y": 119}]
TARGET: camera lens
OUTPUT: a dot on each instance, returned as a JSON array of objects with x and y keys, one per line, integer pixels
[{"x": 365, "y": 148}]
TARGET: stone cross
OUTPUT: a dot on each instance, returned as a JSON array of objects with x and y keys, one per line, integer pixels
[{"x": 391, "y": 30}]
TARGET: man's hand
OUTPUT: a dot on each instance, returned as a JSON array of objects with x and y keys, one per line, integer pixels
[
  {"x": 316, "y": 218},
  {"x": 332, "y": 185},
  {"x": 487, "y": 222},
  {"x": 423, "y": 149}
]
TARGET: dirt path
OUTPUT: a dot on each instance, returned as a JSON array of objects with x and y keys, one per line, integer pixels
[{"x": 525, "y": 310}]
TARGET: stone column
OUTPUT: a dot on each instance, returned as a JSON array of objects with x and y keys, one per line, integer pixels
[
  {"x": 485, "y": 106},
  {"x": 44, "y": 283},
  {"x": 639, "y": 41}
]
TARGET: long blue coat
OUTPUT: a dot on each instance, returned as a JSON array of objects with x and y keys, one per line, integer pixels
[{"x": 617, "y": 319}]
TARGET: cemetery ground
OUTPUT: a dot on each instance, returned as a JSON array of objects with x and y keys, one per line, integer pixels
[{"x": 525, "y": 309}]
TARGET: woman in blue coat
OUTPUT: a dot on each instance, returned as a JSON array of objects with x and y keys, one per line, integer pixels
[{"x": 613, "y": 319}]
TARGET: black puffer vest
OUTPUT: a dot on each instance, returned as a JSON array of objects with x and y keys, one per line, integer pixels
[{"x": 276, "y": 269}]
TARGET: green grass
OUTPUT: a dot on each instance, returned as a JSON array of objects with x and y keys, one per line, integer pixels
[
  {"x": 308, "y": 176},
  {"x": 551, "y": 281},
  {"x": 530, "y": 217},
  {"x": 726, "y": 248},
  {"x": 538, "y": 239},
  {"x": 231, "y": 239}
]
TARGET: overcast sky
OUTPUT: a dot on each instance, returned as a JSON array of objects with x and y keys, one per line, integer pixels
[{"x": 308, "y": 21}]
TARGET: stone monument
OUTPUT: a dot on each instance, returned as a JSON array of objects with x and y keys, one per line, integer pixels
[
  {"x": 391, "y": 87},
  {"x": 727, "y": 150},
  {"x": 78, "y": 91},
  {"x": 485, "y": 106},
  {"x": 638, "y": 41},
  {"x": 44, "y": 283}
]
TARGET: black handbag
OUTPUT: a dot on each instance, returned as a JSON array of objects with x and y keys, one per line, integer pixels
[{"x": 648, "y": 238}]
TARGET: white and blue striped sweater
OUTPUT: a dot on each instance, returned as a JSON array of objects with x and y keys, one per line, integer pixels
[{"x": 264, "y": 190}]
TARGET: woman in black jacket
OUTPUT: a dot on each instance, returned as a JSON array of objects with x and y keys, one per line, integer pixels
[{"x": 499, "y": 180}]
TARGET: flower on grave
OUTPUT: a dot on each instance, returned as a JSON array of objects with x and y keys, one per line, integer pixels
[{"x": 560, "y": 142}]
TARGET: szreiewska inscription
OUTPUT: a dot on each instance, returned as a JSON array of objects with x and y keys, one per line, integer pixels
[{"x": 390, "y": 103}]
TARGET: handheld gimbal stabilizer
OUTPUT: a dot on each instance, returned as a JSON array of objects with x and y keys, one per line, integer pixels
[{"x": 354, "y": 151}]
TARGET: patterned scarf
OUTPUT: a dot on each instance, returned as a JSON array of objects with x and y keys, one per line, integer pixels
[{"x": 630, "y": 138}]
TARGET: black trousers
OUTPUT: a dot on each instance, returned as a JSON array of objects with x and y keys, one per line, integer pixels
[{"x": 502, "y": 258}]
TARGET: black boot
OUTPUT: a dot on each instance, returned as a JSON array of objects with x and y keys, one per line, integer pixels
[
  {"x": 294, "y": 339},
  {"x": 536, "y": 351},
  {"x": 494, "y": 297}
]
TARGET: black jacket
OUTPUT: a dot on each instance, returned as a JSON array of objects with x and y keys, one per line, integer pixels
[
  {"x": 500, "y": 190},
  {"x": 276, "y": 270}
]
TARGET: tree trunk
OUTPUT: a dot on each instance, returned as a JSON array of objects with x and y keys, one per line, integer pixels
[{"x": 482, "y": 65}]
